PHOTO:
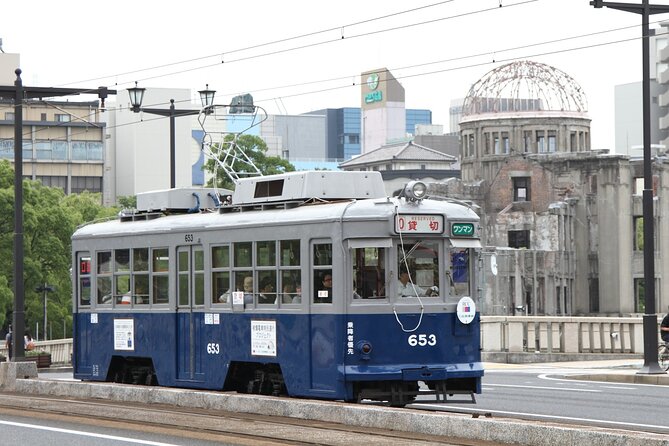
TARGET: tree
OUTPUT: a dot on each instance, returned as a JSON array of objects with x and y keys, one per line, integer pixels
[
  {"x": 50, "y": 217},
  {"x": 255, "y": 148}
]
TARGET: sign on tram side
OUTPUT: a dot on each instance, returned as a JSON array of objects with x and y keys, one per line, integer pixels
[{"x": 462, "y": 229}]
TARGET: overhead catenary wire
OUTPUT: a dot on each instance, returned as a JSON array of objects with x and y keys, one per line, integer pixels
[
  {"x": 464, "y": 57},
  {"x": 428, "y": 73}
]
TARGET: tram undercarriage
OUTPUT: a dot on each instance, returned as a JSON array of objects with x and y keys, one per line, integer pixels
[{"x": 401, "y": 393}]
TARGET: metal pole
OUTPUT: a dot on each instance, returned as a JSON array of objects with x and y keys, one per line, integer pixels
[
  {"x": 173, "y": 148},
  {"x": 649, "y": 318},
  {"x": 45, "y": 293},
  {"x": 650, "y": 333},
  {"x": 19, "y": 309}
]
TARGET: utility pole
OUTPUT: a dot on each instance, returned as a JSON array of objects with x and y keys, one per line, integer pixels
[
  {"x": 650, "y": 365},
  {"x": 20, "y": 93}
]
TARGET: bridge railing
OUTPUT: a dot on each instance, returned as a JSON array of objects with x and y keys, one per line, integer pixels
[
  {"x": 60, "y": 349},
  {"x": 548, "y": 334}
]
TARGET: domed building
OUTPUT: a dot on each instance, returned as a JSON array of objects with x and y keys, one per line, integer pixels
[
  {"x": 561, "y": 222},
  {"x": 521, "y": 108}
]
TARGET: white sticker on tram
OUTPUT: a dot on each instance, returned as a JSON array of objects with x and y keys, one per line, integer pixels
[{"x": 87, "y": 434}]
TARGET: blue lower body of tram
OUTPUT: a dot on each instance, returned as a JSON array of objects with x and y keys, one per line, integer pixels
[{"x": 326, "y": 356}]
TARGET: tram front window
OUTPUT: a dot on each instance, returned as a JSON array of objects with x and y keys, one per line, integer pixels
[
  {"x": 458, "y": 272},
  {"x": 369, "y": 273},
  {"x": 418, "y": 268}
]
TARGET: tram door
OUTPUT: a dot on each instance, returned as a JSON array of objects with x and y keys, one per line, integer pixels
[
  {"x": 190, "y": 295},
  {"x": 322, "y": 323}
]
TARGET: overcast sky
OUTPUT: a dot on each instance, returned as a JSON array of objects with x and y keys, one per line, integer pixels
[{"x": 437, "y": 50}]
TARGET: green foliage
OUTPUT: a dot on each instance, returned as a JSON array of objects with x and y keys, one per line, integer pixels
[
  {"x": 49, "y": 219},
  {"x": 255, "y": 148},
  {"x": 128, "y": 202}
]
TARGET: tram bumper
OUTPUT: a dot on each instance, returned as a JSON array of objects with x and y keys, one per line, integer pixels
[{"x": 413, "y": 372}]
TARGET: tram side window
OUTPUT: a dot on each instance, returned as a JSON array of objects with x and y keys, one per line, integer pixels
[
  {"x": 242, "y": 257},
  {"x": 122, "y": 277},
  {"x": 84, "y": 279},
  {"x": 140, "y": 275},
  {"x": 418, "y": 268},
  {"x": 290, "y": 273},
  {"x": 198, "y": 276},
  {"x": 104, "y": 278},
  {"x": 160, "y": 261},
  {"x": 322, "y": 273},
  {"x": 183, "y": 277},
  {"x": 220, "y": 274},
  {"x": 369, "y": 273},
  {"x": 266, "y": 275},
  {"x": 458, "y": 274}
]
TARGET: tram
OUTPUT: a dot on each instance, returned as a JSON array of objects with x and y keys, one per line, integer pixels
[{"x": 305, "y": 284}]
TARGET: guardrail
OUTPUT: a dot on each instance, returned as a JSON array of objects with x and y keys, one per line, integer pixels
[
  {"x": 60, "y": 349},
  {"x": 506, "y": 334}
]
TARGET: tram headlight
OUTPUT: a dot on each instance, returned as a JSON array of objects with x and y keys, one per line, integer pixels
[
  {"x": 415, "y": 190},
  {"x": 365, "y": 349}
]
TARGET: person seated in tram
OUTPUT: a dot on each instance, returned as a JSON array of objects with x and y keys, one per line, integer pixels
[
  {"x": 324, "y": 291},
  {"x": 266, "y": 293},
  {"x": 297, "y": 298}
]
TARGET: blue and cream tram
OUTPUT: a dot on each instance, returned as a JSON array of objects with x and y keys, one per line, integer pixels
[{"x": 307, "y": 284}]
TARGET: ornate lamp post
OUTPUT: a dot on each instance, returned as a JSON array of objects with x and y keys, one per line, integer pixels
[{"x": 137, "y": 95}]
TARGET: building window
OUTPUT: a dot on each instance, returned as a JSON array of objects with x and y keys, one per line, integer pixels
[
  {"x": 43, "y": 116},
  {"x": 62, "y": 117},
  {"x": 496, "y": 146},
  {"x": 519, "y": 239},
  {"x": 521, "y": 189},
  {"x": 541, "y": 141},
  {"x": 552, "y": 141},
  {"x": 638, "y": 234},
  {"x": 527, "y": 141},
  {"x": 91, "y": 184},
  {"x": 9, "y": 116},
  {"x": 639, "y": 296},
  {"x": 53, "y": 181},
  {"x": 505, "y": 142}
]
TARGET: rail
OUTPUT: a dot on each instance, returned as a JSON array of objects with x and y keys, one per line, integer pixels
[{"x": 571, "y": 336}]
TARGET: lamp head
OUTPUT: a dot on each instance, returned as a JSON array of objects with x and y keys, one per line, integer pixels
[{"x": 136, "y": 96}]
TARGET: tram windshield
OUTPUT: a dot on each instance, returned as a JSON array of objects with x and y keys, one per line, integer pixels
[
  {"x": 418, "y": 268},
  {"x": 458, "y": 273}
]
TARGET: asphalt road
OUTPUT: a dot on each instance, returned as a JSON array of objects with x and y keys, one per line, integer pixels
[{"x": 534, "y": 393}]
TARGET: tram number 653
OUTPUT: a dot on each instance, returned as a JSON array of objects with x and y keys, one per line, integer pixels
[
  {"x": 422, "y": 340},
  {"x": 213, "y": 348}
]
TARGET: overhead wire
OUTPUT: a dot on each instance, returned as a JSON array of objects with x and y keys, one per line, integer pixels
[
  {"x": 461, "y": 67},
  {"x": 438, "y": 61}
]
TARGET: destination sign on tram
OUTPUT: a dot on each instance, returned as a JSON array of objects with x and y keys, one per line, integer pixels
[{"x": 419, "y": 224}]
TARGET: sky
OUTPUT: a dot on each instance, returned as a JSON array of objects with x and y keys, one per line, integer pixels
[{"x": 295, "y": 56}]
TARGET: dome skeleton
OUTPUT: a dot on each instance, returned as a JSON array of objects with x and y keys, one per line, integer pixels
[{"x": 523, "y": 81}]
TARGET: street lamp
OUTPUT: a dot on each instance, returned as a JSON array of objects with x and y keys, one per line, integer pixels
[
  {"x": 20, "y": 93},
  {"x": 645, "y": 9},
  {"x": 137, "y": 95},
  {"x": 45, "y": 289}
]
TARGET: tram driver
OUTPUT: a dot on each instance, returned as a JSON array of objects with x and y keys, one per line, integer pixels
[{"x": 406, "y": 287}]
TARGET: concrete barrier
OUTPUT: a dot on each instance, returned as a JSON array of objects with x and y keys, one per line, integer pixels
[{"x": 407, "y": 420}]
